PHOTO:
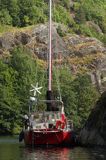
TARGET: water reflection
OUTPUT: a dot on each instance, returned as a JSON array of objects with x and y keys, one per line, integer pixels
[
  {"x": 57, "y": 153},
  {"x": 10, "y": 149},
  {"x": 52, "y": 153}
]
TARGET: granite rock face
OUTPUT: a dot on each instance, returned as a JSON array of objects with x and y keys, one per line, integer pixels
[
  {"x": 87, "y": 55},
  {"x": 82, "y": 54},
  {"x": 94, "y": 131}
]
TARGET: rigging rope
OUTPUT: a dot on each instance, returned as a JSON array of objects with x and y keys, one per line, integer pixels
[
  {"x": 56, "y": 71},
  {"x": 40, "y": 78}
]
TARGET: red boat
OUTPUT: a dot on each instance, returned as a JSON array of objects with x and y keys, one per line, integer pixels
[
  {"x": 48, "y": 137},
  {"x": 49, "y": 127}
]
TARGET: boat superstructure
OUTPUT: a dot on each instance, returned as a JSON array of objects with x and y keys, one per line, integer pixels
[{"x": 48, "y": 128}]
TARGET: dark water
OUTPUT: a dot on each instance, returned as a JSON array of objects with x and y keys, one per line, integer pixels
[{"x": 10, "y": 149}]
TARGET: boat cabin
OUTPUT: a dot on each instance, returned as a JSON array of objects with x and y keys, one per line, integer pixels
[{"x": 44, "y": 120}]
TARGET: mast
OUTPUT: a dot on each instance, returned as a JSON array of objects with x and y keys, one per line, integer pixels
[
  {"x": 49, "y": 90},
  {"x": 50, "y": 47},
  {"x": 50, "y": 98}
]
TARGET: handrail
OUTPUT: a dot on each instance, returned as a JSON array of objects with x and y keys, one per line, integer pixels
[{"x": 51, "y": 101}]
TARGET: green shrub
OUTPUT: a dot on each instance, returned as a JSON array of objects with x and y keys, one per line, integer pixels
[
  {"x": 61, "y": 15},
  {"x": 5, "y": 17}
]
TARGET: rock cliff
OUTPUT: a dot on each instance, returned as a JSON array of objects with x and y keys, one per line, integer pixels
[
  {"x": 82, "y": 54},
  {"x": 94, "y": 131}
]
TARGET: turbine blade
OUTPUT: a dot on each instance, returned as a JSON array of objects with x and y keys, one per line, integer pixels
[
  {"x": 31, "y": 90},
  {"x": 39, "y": 87},
  {"x": 32, "y": 86},
  {"x": 38, "y": 91},
  {"x": 36, "y": 84}
]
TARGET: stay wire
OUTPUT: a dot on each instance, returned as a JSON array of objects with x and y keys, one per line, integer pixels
[{"x": 56, "y": 71}]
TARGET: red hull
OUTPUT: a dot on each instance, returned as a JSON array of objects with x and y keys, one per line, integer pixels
[{"x": 47, "y": 137}]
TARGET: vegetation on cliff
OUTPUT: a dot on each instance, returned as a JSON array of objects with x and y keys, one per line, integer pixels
[
  {"x": 85, "y": 17},
  {"x": 20, "y": 70}
]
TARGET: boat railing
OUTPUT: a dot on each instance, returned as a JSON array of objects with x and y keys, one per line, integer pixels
[
  {"x": 47, "y": 116},
  {"x": 57, "y": 103},
  {"x": 70, "y": 124},
  {"x": 61, "y": 102},
  {"x": 41, "y": 106}
]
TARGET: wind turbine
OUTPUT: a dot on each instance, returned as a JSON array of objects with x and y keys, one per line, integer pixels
[{"x": 35, "y": 89}]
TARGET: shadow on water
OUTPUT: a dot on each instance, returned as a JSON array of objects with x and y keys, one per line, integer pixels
[
  {"x": 99, "y": 153},
  {"x": 10, "y": 149}
]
